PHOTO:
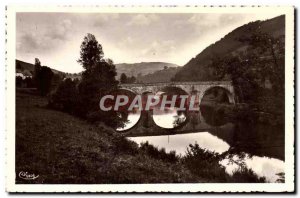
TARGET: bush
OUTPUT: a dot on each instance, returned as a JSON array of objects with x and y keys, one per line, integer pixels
[
  {"x": 245, "y": 175},
  {"x": 44, "y": 80},
  {"x": 204, "y": 163},
  {"x": 65, "y": 96},
  {"x": 156, "y": 153}
]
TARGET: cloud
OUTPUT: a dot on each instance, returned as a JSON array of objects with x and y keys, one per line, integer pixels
[
  {"x": 158, "y": 49},
  {"x": 128, "y": 41},
  {"x": 45, "y": 39},
  {"x": 104, "y": 19},
  {"x": 60, "y": 31},
  {"x": 215, "y": 20},
  {"x": 28, "y": 41},
  {"x": 143, "y": 19}
]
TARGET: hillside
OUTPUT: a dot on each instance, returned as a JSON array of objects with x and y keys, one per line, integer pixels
[
  {"x": 27, "y": 69},
  {"x": 143, "y": 68},
  {"x": 197, "y": 68},
  {"x": 22, "y": 67},
  {"x": 164, "y": 75}
]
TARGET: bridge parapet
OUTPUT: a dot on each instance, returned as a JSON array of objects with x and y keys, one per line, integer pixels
[
  {"x": 160, "y": 84},
  {"x": 199, "y": 87}
]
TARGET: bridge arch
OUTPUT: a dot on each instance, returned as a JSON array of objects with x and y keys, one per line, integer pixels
[
  {"x": 131, "y": 118},
  {"x": 228, "y": 91}
]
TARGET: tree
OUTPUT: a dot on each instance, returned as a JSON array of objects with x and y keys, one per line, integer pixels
[
  {"x": 42, "y": 77},
  {"x": 131, "y": 79},
  {"x": 19, "y": 81},
  {"x": 19, "y": 66},
  {"x": 91, "y": 52},
  {"x": 98, "y": 79},
  {"x": 248, "y": 70},
  {"x": 271, "y": 51},
  {"x": 65, "y": 97},
  {"x": 44, "y": 80},
  {"x": 37, "y": 68},
  {"x": 123, "y": 78}
]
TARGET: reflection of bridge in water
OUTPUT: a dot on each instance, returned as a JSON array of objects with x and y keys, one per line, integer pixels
[
  {"x": 194, "y": 122},
  {"x": 258, "y": 139}
]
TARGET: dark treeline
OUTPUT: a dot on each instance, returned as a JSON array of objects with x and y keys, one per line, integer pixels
[
  {"x": 125, "y": 79},
  {"x": 42, "y": 78}
]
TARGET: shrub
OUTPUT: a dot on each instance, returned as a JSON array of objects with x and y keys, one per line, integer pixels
[
  {"x": 156, "y": 153},
  {"x": 245, "y": 175},
  {"x": 65, "y": 96},
  {"x": 204, "y": 163}
]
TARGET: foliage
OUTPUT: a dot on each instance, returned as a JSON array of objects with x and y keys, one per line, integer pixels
[
  {"x": 156, "y": 153},
  {"x": 98, "y": 79},
  {"x": 123, "y": 78},
  {"x": 44, "y": 80},
  {"x": 206, "y": 164},
  {"x": 65, "y": 97},
  {"x": 19, "y": 81},
  {"x": 37, "y": 68},
  {"x": 249, "y": 70},
  {"x": 91, "y": 53},
  {"x": 42, "y": 77},
  {"x": 245, "y": 175},
  {"x": 26, "y": 83}
]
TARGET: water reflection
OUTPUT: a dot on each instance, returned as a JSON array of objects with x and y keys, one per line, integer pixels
[
  {"x": 262, "y": 166},
  {"x": 130, "y": 119},
  {"x": 168, "y": 118},
  {"x": 180, "y": 142},
  {"x": 263, "y": 143}
]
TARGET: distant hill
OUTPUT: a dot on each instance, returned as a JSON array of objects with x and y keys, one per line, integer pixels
[
  {"x": 164, "y": 75},
  {"x": 27, "y": 69},
  {"x": 197, "y": 68},
  {"x": 147, "y": 71},
  {"x": 141, "y": 69}
]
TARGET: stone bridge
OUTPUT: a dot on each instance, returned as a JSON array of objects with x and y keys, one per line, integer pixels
[
  {"x": 199, "y": 88},
  {"x": 195, "y": 122}
]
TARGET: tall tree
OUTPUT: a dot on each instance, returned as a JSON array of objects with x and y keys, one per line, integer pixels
[
  {"x": 91, "y": 52},
  {"x": 123, "y": 78},
  {"x": 98, "y": 79},
  {"x": 37, "y": 68},
  {"x": 44, "y": 80}
]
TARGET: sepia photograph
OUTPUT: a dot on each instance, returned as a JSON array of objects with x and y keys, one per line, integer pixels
[{"x": 183, "y": 99}]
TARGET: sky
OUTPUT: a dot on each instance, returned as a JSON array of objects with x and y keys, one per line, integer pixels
[{"x": 55, "y": 38}]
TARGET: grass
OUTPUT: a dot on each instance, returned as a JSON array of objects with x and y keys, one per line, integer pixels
[{"x": 63, "y": 149}]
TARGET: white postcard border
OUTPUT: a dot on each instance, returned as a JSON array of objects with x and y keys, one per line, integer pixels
[{"x": 288, "y": 186}]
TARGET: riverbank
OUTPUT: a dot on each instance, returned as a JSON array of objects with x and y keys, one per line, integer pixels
[{"x": 61, "y": 148}]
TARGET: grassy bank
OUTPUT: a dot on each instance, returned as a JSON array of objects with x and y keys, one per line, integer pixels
[{"x": 61, "y": 148}]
